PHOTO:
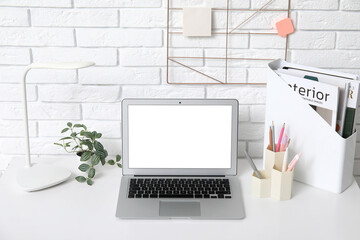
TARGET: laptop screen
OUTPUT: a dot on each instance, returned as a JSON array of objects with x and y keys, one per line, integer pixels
[{"x": 179, "y": 136}]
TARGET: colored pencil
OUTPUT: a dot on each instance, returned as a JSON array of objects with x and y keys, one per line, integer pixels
[
  {"x": 283, "y": 143},
  {"x": 280, "y": 137},
  {"x": 273, "y": 135},
  {"x": 287, "y": 144},
  {"x": 285, "y": 160},
  {"x": 293, "y": 162},
  {"x": 271, "y": 140}
]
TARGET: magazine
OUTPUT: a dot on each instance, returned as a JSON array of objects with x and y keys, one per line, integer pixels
[
  {"x": 339, "y": 81},
  {"x": 322, "y": 97}
]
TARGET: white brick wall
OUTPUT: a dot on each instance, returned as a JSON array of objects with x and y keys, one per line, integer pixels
[
  {"x": 127, "y": 40},
  {"x": 101, "y": 111},
  {"x": 149, "y": 18},
  {"x": 14, "y": 74},
  {"x": 43, "y": 17},
  {"x": 329, "y": 20},
  {"x": 13, "y": 17},
  {"x": 12, "y": 92},
  {"x": 306, "y": 40},
  {"x": 36, "y": 3},
  {"x": 351, "y": 5},
  {"x": 316, "y": 5},
  {"x": 76, "y": 93},
  {"x": 117, "y": 3},
  {"x": 119, "y": 75},
  {"x": 328, "y": 59},
  {"x": 102, "y": 56},
  {"x": 348, "y": 40},
  {"x": 14, "y": 56},
  {"x": 132, "y": 57},
  {"x": 40, "y": 110},
  {"x": 110, "y": 129},
  {"x": 36, "y": 36},
  {"x": 105, "y": 37}
]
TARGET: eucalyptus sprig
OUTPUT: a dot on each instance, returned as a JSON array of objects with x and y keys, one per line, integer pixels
[{"x": 86, "y": 145}]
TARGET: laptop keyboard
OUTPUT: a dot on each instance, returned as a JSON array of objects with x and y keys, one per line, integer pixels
[{"x": 179, "y": 188}]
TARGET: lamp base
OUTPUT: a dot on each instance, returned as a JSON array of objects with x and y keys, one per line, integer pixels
[{"x": 40, "y": 176}]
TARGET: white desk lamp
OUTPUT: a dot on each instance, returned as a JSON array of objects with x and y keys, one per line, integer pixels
[{"x": 38, "y": 176}]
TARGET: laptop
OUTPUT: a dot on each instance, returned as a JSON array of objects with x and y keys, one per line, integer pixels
[{"x": 180, "y": 159}]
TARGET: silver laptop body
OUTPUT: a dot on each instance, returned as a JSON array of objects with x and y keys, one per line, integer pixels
[{"x": 180, "y": 159}]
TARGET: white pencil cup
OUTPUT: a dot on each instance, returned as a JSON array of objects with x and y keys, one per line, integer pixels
[
  {"x": 281, "y": 184},
  {"x": 261, "y": 188},
  {"x": 273, "y": 159}
]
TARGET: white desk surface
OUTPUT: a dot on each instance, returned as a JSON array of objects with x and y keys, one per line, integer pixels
[{"x": 76, "y": 211}]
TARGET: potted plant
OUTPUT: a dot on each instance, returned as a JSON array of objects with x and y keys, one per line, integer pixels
[{"x": 87, "y": 146}]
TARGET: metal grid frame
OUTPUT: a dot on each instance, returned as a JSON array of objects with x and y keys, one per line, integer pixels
[{"x": 227, "y": 33}]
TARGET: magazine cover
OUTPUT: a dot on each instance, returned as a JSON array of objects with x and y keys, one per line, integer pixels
[{"x": 320, "y": 95}]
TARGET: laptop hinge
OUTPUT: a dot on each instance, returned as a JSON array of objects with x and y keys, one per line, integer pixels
[{"x": 179, "y": 175}]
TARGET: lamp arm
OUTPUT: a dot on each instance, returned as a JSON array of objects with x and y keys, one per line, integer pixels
[
  {"x": 64, "y": 65},
  {"x": 26, "y": 118}
]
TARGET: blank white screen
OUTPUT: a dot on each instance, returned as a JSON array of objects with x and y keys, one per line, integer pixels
[{"x": 179, "y": 136}]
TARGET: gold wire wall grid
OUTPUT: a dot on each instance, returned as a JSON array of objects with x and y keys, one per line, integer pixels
[{"x": 237, "y": 42}]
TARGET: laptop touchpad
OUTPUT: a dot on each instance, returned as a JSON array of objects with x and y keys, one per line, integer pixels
[{"x": 179, "y": 209}]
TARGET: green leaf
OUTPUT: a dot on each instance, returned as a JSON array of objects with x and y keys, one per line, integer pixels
[
  {"x": 65, "y": 138},
  {"x": 77, "y": 125},
  {"x": 106, "y": 153},
  {"x": 69, "y": 124},
  {"x": 111, "y": 162},
  {"x": 118, "y": 158},
  {"x": 93, "y": 134},
  {"x": 89, "y": 135},
  {"x": 119, "y": 165},
  {"x": 67, "y": 144},
  {"x": 98, "y": 135},
  {"x": 87, "y": 143},
  {"x": 98, "y": 146},
  {"x": 102, "y": 161},
  {"x": 89, "y": 182},
  {"x": 91, "y": 173},
  {"x": 75, "y": 147},
  {"x": 95, "y": 159},
  {"x": 58, "y": 144},
  {"x": 80, "y": 179},
  {"x": 73, "y": 134},
  {"x": 64, "y": 130},
  {"x": 85, "y": 156},
  {"x": 84, "y": 127},
  {"x": 100, "y": 154},
  {"x": 86, "y": 134},
  {"x": 84, "y": 167}
]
